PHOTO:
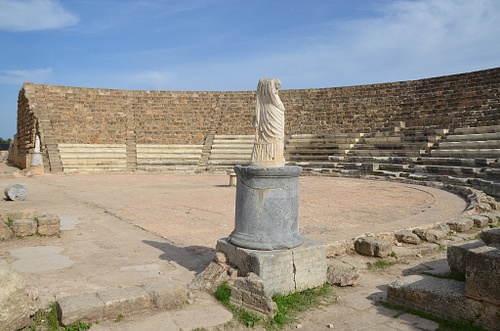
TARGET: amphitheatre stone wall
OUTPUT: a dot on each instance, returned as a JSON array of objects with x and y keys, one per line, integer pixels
[{"x": 73, "y": 115}]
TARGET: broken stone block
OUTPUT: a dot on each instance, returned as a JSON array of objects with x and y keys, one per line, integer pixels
[
  {"x": 490, "y": 236},
  {"x": 14, "y": 299},
  {"x": 370, "y": 246},
  {"x": 22, "y": 228},
  {"x": 461, "y": 224},
  {"x": 407, "y": 237},
  {"x": 341, "y": 273},
  {"x": 249, "y": 292},
  {"x": 16, "y": 192},
  {"x": 480, "y": 221},
  {"x": 49, "y": 225},
  {"x": 432, "y": 235}
]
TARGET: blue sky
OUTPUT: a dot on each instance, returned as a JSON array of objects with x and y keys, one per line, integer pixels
[{"x": 229, "y": 44}]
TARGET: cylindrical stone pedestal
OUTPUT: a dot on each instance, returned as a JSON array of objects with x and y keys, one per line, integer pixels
[{"x": 267, "y": 208}]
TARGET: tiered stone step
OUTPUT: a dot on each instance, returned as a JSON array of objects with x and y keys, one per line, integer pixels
[
  {"x": 168, "y": 157},
  {"x": 389, "y": 152},
  {"x": 312, "y": 151},
  {"x": 93, "y": 157},
  {"x": 230, "y": 150},
  {"x": 467, "y": 153}
]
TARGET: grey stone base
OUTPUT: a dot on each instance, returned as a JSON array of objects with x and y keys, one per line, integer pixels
[{"x": 282, "y": 271}]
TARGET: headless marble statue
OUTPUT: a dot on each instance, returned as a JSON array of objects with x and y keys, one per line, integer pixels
[{"x": 269, "y": 124}]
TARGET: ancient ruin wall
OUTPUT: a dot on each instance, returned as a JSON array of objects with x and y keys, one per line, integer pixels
[{"x": 104, "y": 116}]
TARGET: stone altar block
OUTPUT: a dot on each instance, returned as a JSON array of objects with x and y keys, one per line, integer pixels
[
  {"x": 267, "y": 208},
  {"x": 36, "y": 166},
  {"x": 282, "y": 271}
]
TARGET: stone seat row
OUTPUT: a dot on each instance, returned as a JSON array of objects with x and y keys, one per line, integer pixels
[{"x": 465, "y": 156}]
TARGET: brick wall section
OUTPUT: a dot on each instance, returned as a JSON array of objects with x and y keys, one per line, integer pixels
[{"x": 106, "y": 116}]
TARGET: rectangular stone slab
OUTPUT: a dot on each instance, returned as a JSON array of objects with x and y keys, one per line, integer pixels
[{"x": 283, "y": 271}]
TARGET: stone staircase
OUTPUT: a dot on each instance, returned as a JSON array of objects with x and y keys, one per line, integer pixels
[
  {"x": 476, "y": 300},
  {"x": 389, "y": 152},
  {"x": 467, "y": 156},
  {"x": 168, "y": 157},
  {"x": 92, "y": 157},
  {"x": 312, "y": 151},
  {"x": 229, "y": 150}
]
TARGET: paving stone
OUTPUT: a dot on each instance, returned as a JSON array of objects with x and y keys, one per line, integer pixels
[
  {"x": 124, "y": 301},
  {"x": 87, "y": 307},
  {"x": 167, "y": 294}
]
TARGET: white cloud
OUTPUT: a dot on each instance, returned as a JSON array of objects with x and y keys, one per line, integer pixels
[
  {"x": 17, "y": 77},
  {"x": 153, "y": 79},
  {"x": 32, "y": 15}
]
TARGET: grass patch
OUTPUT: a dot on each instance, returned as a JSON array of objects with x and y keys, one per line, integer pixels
[
  {"x": 289, "y": 306},
  {"x": 444, "y": 324},
  {"x": 9, "y": 222},
  {"x": 381, "y": 264},
  {"x": 48, "y": 320}
]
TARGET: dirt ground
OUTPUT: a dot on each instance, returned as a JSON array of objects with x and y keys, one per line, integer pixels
[{"x": 130, "y": 228}]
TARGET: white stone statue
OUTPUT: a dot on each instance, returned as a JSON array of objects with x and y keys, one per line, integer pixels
[
  {"x": 37, "y": 144},
  {"x": 269, "y": 124}
]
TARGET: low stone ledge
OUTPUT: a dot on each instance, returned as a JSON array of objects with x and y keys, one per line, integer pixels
[
  {"x": 87, "y": 307},
  {"x": 167, "y": 295},
  {"x": 442, "y": 297},
  {"x": 124, "y": 301},
  {"x": 110, "y": 304},
  {"x": 27, "y": 222}
]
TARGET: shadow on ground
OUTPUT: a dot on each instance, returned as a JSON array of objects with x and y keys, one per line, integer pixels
[{"x": 193, "y": 258}]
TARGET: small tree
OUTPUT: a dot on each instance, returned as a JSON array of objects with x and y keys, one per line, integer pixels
[{"x": 3, "y": 141}]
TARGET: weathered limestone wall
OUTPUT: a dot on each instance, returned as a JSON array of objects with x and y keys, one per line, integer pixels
[{"x": 75, "y": 115}]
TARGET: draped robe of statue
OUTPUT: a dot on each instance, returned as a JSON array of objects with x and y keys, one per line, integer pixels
[{"x": 269, "y": 124}]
